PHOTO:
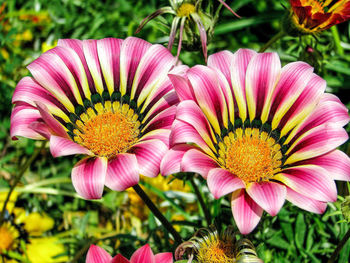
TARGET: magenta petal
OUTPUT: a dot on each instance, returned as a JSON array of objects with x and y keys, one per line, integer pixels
[
  {"x": 122, "y": 172},
  {"x": 149, "y": 155},
  {"x": 62, "y": 146},
  {"x": 182, "y": 86},
  {"x": 166, "y": 257},
  {"x": 162, "y": 120},
  {"x": 269, "y": 196},
  {"x": 222, "y": 62},
  {"x": 119, "y": 259},
  {"x": 88, "y": 177},
  {"x": 97, "y": 255},
  {"x": 171, "y": 162},
  {"x": 305, "y": 203},
  {"x": 143, "y": 255},
  {"x": 221, "y": 182},
  {"x": 197, "y": 162},
  {"x": 245, "y": 211},
  {"x": 311, "y": 181}
]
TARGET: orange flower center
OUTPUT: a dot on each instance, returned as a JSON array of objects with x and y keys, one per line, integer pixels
[
  {"x": 216, "y": 251},
  {"x": 109, "y": 130},
  {"x": 185, "y": 10},
  {"x": 250, "y": 155}
]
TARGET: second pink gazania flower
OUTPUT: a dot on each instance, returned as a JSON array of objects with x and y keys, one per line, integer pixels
[
  {"x": 108, "y": 99},
  {"x": 262, "y": 132}
]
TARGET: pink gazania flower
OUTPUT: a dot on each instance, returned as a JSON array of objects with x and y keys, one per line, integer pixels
[
  {"x": 262, "y": 132},
  {"x": 142, "y": 255},
  {"x": 108, "y": 99}
]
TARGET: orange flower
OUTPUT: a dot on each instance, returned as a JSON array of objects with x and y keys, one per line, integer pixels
[{"x": 312, "y": 16}]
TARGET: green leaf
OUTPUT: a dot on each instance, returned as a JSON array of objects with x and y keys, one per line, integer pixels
[
  {"x": 345, "y": 208},
  {"x": 300, "y": 231}
]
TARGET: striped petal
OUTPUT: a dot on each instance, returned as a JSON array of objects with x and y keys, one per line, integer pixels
[
  {"x": 21, "y": 118},
  {"x": 171, "y": 162},
  {"x": 97, "y": 255},
  {"x": 149, "y": 155},
  {"x": 197, "y": 162},
  {"x": 316, "y": 142},
  {"x": 261, "y": 77},
  {"x": 305, "y": 203},
  {"x": 60, "y": 146},
  {"x": 293, "y": 80},
  {"x": 122, "y": 172},
  {"x": 183, "y": 87},
  {"x": 162, "y": 120},
  {"x": 269, "y": 196},
  {"x": 202, "y": 33},
  {"x": 209, "y": 96},
  {"x": 245, "y": 211},
  {"x": 336, "y": 163},
  {"x": 88, "y": 177},
  {"x": 311, "y": 181},
  {"x": 166, "y": 257},
  {"x": 221, "y": 182},
  {"x": 119, "y": 259},
  {"x": 143, "y": 255},
  {"x": 159, "y": 134}
]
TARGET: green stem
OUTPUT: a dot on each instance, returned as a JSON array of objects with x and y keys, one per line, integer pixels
[
  {"x": 339, "y": 247},
  {"x": 201, "y": 202},
  {"x": 18, "y": 178},
  {"x": 158, "y": 214},
  {"x": 272, "y": 40},
  {"x": 336, "y": 38}
]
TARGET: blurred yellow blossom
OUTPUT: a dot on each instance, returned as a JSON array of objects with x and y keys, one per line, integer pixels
[
  {"x": 46, "y": 250},
  {"x": 45, "y": 46}
]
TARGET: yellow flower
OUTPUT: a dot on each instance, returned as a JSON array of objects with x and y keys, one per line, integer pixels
[
  {"x": 36, "y": 224},
  {"x": 46, "y": 250},
  {"x": 11, "y": 203},
  {"x": 8, "y": 237}
]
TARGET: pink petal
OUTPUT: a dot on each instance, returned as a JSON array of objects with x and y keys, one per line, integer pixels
[
  {"x": 209, "y": 96},
  {"x": 197, "y": 162},
  {"x": 171, "y": 162},
  {"x": 162, "y": 120},
  {"x": 316, "y": 142},
  {"x": 149, "y": 155},
  {"x": 166, "y": 257},
  {"x": 122, "y": 172},
  {"x": 262, "y": 74},
  {"x": 60, "y": 146},
  {"x": 132, "y": 50},
  {"x": 183, "y": 87},
  {"x": 311, "y": 181},
  {"x": 159, "y": 134},
  {"x": 221, "y": 182},
  {"x": 183, "y": 133},
  {"x": 245, "y": 211},
  {"x": 88, "y": 177},
  {"x": 143, "y": 255},
  {"x": 108, "y": 50},
  {"x": 269, "y": 196},
  {"x": 222, "y": 61},
  {"x": 41, "y": 128},
  {"x": 305, "y": 203},
  {"x": 21, "y": 118},
  {"x": 97, "y": 255},
  {"x": 238, "y": 69},
  {"x": 53, "y": 124},
  {"x": 294, "y": 78},
  {"x": 119, "y": 259},
  {"x": 336, "y": 163}
]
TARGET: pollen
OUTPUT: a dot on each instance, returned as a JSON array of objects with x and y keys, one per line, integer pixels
[
  {"x": 251, "y": 155},
  {"x": 185, "y": 10},
  {"x": 107, "y": 131},
  {"x": 216, "y": 251}
]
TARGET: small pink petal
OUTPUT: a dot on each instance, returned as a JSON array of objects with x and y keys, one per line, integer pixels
[
  {"x": 245, "y": 211},
  {"x": 305, "y": 203},
  {"x": 311, "y": 181},
  {"x": 97, "y": 255},
  {"x": 166, "y": 257},
  {"x": 269, "y": 196},
  {"x": 143, "y": 255},
  {"x": 149, "y": 155},
  {"x": 122, "y": 172},
  {"x": 221, "y": 182},
  {"x": 171, "y": 162},
  {"x": 197, "y": 162},
  {"x": 178, "y": 77},
  {"x": 60, "y": 146},
  {"x": 119, "y": 259},
  {"x": 88, "y": 177}
]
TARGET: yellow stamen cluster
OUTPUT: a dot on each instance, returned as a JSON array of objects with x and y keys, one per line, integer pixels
[
  {"x": 108, "y": 130},
  {"x": 8, "y": 235},
  {"x": 216, "y": 251},
  {"x": 250, "y": 154},
  {"x": 185, "y": 10}
]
